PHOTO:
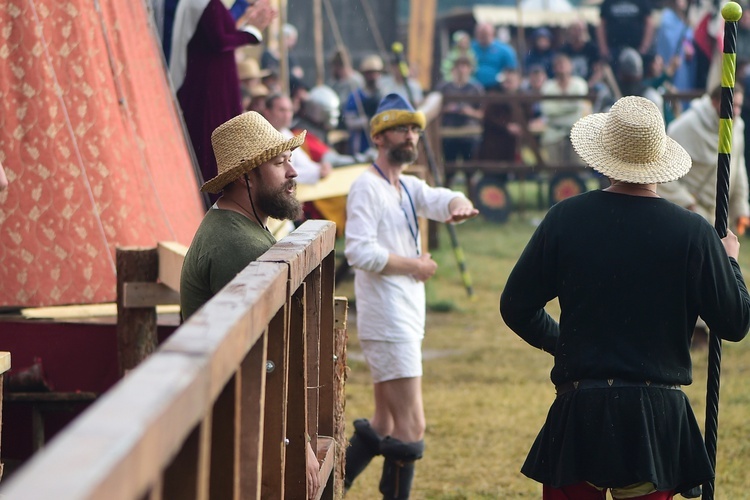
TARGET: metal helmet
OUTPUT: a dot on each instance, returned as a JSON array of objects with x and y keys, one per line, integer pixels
[{"x": 322, "y": 106}]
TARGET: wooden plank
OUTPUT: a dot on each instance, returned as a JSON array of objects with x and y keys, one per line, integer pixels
[
  {"x": 327, "y": 450},
  {"x": 117, "y": 447},
  {"x": 204, "y": 458},
  {"x": 145, "y": 294},
  {"x": 327, "y": 397},
  {"x": 181, "y": 476},
  {"x": 274, "y": 433},
  {"x": 421, "y": 36},
  {"x": 229, "y": 324},
  {"x": 312, "y": 351},
  {"x": 296, "y": 478},
  {"x": 337, "y": 183},
  {"x": 87, "y": 311},
  {"x": 4, "y": 361},
  {"x": 326, "y": 357},
  {"x": 303, "y": 249},
  {"x": 224, "y": 465},
  {"x": 136, "y": 328},
  {"x": 171, "y": 256},
  {"x": 465, "y": 131},
  {"x": 50, "y": 397},
  {"x": 341, "y": 306},
  {"x": 252, "y": 407}
]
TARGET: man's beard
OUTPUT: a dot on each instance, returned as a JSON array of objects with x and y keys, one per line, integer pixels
[
  {"x": 399, "y": 154},
  {"x": 278, "y": 203}
]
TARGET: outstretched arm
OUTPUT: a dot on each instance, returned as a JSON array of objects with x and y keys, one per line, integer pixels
[{"x": 461, "y": 209}]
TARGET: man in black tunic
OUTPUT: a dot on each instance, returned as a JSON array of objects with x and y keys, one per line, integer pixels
[{"x": 632, "y": 272}]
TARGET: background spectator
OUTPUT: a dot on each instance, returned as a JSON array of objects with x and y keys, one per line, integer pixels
[
  {"x": 493, "y": 56},
  {"x": 343, "y": 80},
  {"x": 258, "y": 94},
  {"x": 279, "y": 114},
  {"x": 582, "y": 52},
  {"x": 270, "y": 58},
  {"x": 461, "y": 48},
  {"x": 250, "y": 75},
  {"x": 501, "y": 127},
  {"x": 560, "y": 115},
  {"x": 541, "y": 52},
  {"x": 393, "y": 83},
  {"x": 630, "y": 78},
  {"x": 362, "y": 103},
  {"x": 204, "y": 70},
  {"x": 674, "y": 43},
  {"x": 461, "y": 114},
  {"x": 624, "y": 23}
]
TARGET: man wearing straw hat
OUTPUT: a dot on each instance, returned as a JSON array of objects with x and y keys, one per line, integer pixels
[
  {"x": 250, "y": 75},
  {"x": 383, "y": 246},
  {"x": 256, "y": 180},
  {"x": 632, "y": 272}
]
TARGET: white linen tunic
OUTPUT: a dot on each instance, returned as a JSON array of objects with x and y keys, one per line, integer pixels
[{"x": 389, "y": 307}]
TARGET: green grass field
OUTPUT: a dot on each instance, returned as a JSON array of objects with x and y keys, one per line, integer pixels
[{"x": 487, "y": 392}]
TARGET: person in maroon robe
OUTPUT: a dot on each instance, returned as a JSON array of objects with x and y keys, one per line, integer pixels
[{"x": 204, "y": 70}]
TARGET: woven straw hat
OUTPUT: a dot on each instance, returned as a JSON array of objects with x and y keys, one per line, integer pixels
[
  {"x": 393, "y": 111},
  {"x": 372, "y": 62},
  {"x": 249, "y": 68},
  {"x": 243, "y": 143},
  {"x": 630, "y": 143}
]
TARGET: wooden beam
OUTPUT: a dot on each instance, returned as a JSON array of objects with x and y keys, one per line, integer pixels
[
  {"x": 252, "y": 407},
  {"x": 327, "y": 450},
  {"x": 145, "y": 294},
  {"x": 320, "y": 74},
  {"x": 421, "y": 35},
  {"x": 4, "y": 361},
  {"x": 136, "y": 328},
  {"x": 295, "y": 482},
  {"x": 341, "y": 307},
  {"x": 298, "y": 253},
  {"x": 337, "y": 183},
  {"x": 171, "y": 257},
  {"x": 224, "y": 464},
  {"x": 274, "y": 428}
]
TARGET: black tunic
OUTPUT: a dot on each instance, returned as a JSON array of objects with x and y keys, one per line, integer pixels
[{"x": 632, "y": 275}]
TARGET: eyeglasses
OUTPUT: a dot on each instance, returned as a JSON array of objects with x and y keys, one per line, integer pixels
[{"x": 403, "y": 129}]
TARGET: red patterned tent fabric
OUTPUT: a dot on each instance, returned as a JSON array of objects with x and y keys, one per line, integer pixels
[{"x": 93, "y": 147}]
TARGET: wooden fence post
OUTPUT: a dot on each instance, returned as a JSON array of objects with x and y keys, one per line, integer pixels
[{"x": 136, "y": 327}]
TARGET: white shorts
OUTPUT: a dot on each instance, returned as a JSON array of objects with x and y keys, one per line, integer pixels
[{"x": 392, "y": 360}]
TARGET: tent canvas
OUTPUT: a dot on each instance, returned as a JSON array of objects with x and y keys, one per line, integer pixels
[
  {"x": 535, "y": 13},
  {"x": 93, "y": 147}
]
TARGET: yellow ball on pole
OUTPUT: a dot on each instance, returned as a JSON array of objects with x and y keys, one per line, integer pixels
[{"x": 731, "y": 12}]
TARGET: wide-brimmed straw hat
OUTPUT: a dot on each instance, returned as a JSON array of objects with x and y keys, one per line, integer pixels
[
  {"x": 243, "y": 143},
  {"x": 249, "y": 68},
  {"x": 630, "y": 143}
]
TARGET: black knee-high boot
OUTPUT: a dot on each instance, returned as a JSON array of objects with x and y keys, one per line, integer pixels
[
  {"x": 363, "y": 446},
  {"x": 398, "y": 467}
]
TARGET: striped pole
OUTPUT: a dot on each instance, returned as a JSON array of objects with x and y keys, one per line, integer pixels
[{"x": 731, "y": 12}]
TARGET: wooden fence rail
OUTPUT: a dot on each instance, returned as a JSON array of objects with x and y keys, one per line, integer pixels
[{"x": 221, "y": 410}]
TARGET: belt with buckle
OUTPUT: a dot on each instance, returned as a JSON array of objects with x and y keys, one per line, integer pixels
[{"x": 609, "y": 383}]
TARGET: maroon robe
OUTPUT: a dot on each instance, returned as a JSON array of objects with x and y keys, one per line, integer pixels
[{"x": 210, "y": 93}]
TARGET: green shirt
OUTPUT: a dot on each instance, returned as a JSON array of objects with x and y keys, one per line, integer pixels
[{"x": 224, "y": 244}]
